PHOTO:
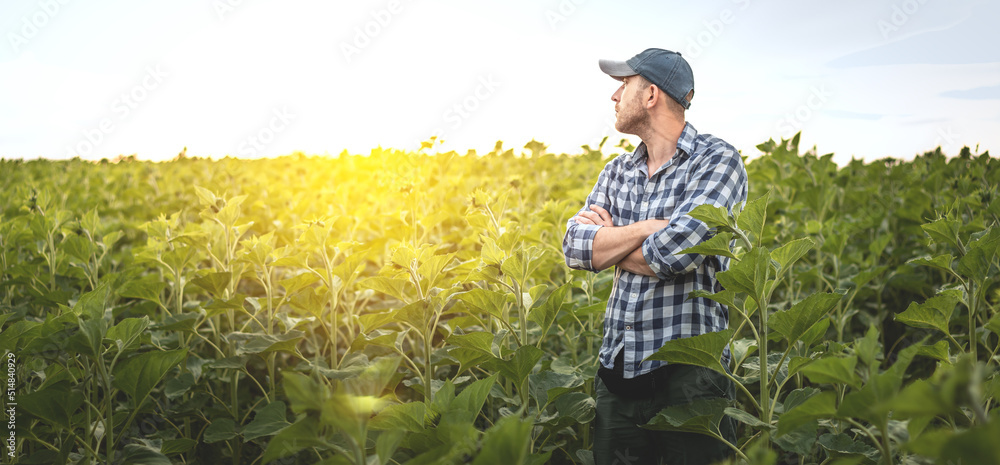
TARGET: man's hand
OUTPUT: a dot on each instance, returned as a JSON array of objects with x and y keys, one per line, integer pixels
[
  {"x": 620, "y": 245},
  {"x": 597, "y": 215}
]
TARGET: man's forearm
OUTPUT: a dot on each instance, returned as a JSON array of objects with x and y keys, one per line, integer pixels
[
  {"x": 612, "y": 244},
  {"x": 636, "y": 263}
]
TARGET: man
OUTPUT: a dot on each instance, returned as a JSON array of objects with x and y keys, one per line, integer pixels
[{"x": 636, "y": 219}]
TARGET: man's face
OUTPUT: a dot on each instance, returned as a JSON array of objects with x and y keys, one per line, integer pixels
[{"x": 630, "y": 114}]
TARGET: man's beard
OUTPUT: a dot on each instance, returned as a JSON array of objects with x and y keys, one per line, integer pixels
[{"x": 634, "y": 121}]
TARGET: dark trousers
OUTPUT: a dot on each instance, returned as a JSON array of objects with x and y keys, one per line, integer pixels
[{"x": 618, "y": 439}]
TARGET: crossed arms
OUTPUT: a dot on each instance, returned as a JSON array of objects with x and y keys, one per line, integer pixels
[{"x": 619, "y": 245}]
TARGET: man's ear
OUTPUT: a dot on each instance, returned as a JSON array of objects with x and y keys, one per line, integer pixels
[{"x": 654, "y": 96}]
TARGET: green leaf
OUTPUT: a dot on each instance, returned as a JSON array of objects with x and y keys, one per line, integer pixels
[
  {"x": 749, "y": 275},
  {"x": 92, "y": 305},
  {"x": 799, "y": 440},
  {"x": 745, "y": 418},
  {"x": 478, "y": 340},
  {"x": 546, "y": 313},
  {"x": 791, "y": 252},
  {"x": 817, "y": 407},
  {"x": 215, "y": 283},
  {"x": 56, "y": 405},
  {"x": 794, "y": 322},
  {"x": 712, "y": 216},
  {"x": 221, "y": 429},
  {"x": 302, "y": 434},
  {"x": 259, "y": 343},
  {"x": 943, "y": 231},
  {"x": 941, "y": 262},
  {"x": 266, "y": 422},
  {"x": 979, "y": 256},
  {"x": 297, "y": 282},
  {"x": 138, "y": 375},
  {"x": 701, "y": 416},
  {"x": 933, "y": 313},
  {"x": 141, "y": 454},
  {"x": 147, "y": 288},
  {"x": 579, "y": 406},
  {"x": 520, "y": 365},
  {"x": 129, "y": 331},
  {"x": 866, "y": 348},
  {"x": 833, "y": 370},
  {"x": 506, "y": 443},
  {"x": 752, "y": 217},
  {"x": 716, "y": 245},
  {"x": 177, "y": 446},
  {"x": 484, "y": 300},
  {"x": 994, "y": 324},
  {"x": 843, "y": 444},
  {"x": 546, "y": 386},
  {"x": 703, "y": 350},
  {"x": 408, "y": 417}
]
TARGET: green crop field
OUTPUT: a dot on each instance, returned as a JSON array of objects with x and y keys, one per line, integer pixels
[{"x": 416, "y": 308}]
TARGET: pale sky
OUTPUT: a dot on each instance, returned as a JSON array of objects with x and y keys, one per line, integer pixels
[{"x": 860, "y": 78}]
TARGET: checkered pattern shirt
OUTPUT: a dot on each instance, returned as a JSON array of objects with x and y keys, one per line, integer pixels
[{"x": 644, "y": 312}]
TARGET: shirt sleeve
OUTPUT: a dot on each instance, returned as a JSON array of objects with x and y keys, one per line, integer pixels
[
  {"x": 719, "y": 180},
  {"x": 578, "y": 243}
]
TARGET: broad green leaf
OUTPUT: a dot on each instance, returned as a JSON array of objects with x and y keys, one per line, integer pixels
[
  {"x": 866, "y": 348},
  {"x": 221, "y": 429},
  {"x": 521, "y": 364},
  {"x": 794, "y": 322},
  {"x": 745, "y": 418},
  {"x": 128, "y": 331},
  {"x": 943, "y": 231},
  {"x": 147, "y": 288},
  {"x": 138, "y": 375},
  {"x": 56, "y": 405},
  {"x": 833, "y": 370},
  {"x": 994, "y": 324},
  {"x": 297, "y": 282},
  {"x": 579, "y": 406},
  {"x": 478, "y": 340},
  {"x": 395, "y": 287},
  {"x": 386, "y": 445},
  {"x": 176, "y": 387},
  {"x": 843, "y": 444},
  {"x": 711, "y": 215},
  {"x": 979, "y": 256},
  {"x": 752, "y": 217},
  {"x": 546, "y": 386},
  {"x": 749, "y": 275},
  {"x": 920, "y": 398},
  {"x": 303, "y": 393},
  {"x": 267, "y": 421},
  {"x": 177, "y": 446},
  {"x": 260, "y": 343},
  {"x": 408, "y": 417},
  {"x": 302, "y": 434},
  {"x": 938, "y": 351},
  {"x": 978, "y": 444},
  {"x": 703, "y": 350},
  {"x": 546, "y": 313},
  {"x": 799, "y": 440},
  {"x": 716, "y": 245},
  {"x": 789, "y": 253},
  {"x": 933, "y": 313},
  {"x": 142, "y": 454},
  {"x": 215, "y": 283},
  {"x": 817, "y": 407},
  {"x": 92, "y": 305},
  {"x": 506, "y": 443},
  {"x": 484, "y": 300},
  {"x": 701, "y": 416},
  {"x": 872, "y": 403},
  {"x": 941, "y": 262}
]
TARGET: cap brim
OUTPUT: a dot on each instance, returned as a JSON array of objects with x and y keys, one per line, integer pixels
[{"x": 616, "y": 69}]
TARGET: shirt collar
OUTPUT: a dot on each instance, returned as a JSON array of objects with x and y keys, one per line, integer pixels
[{"x": 685, "y": 146}]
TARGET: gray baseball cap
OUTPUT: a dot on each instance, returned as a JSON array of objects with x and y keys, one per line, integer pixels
[{"x": 666, "y": 69}]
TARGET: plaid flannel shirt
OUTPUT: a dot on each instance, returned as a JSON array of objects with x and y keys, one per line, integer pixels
[{"x": 644, "y": 312}]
